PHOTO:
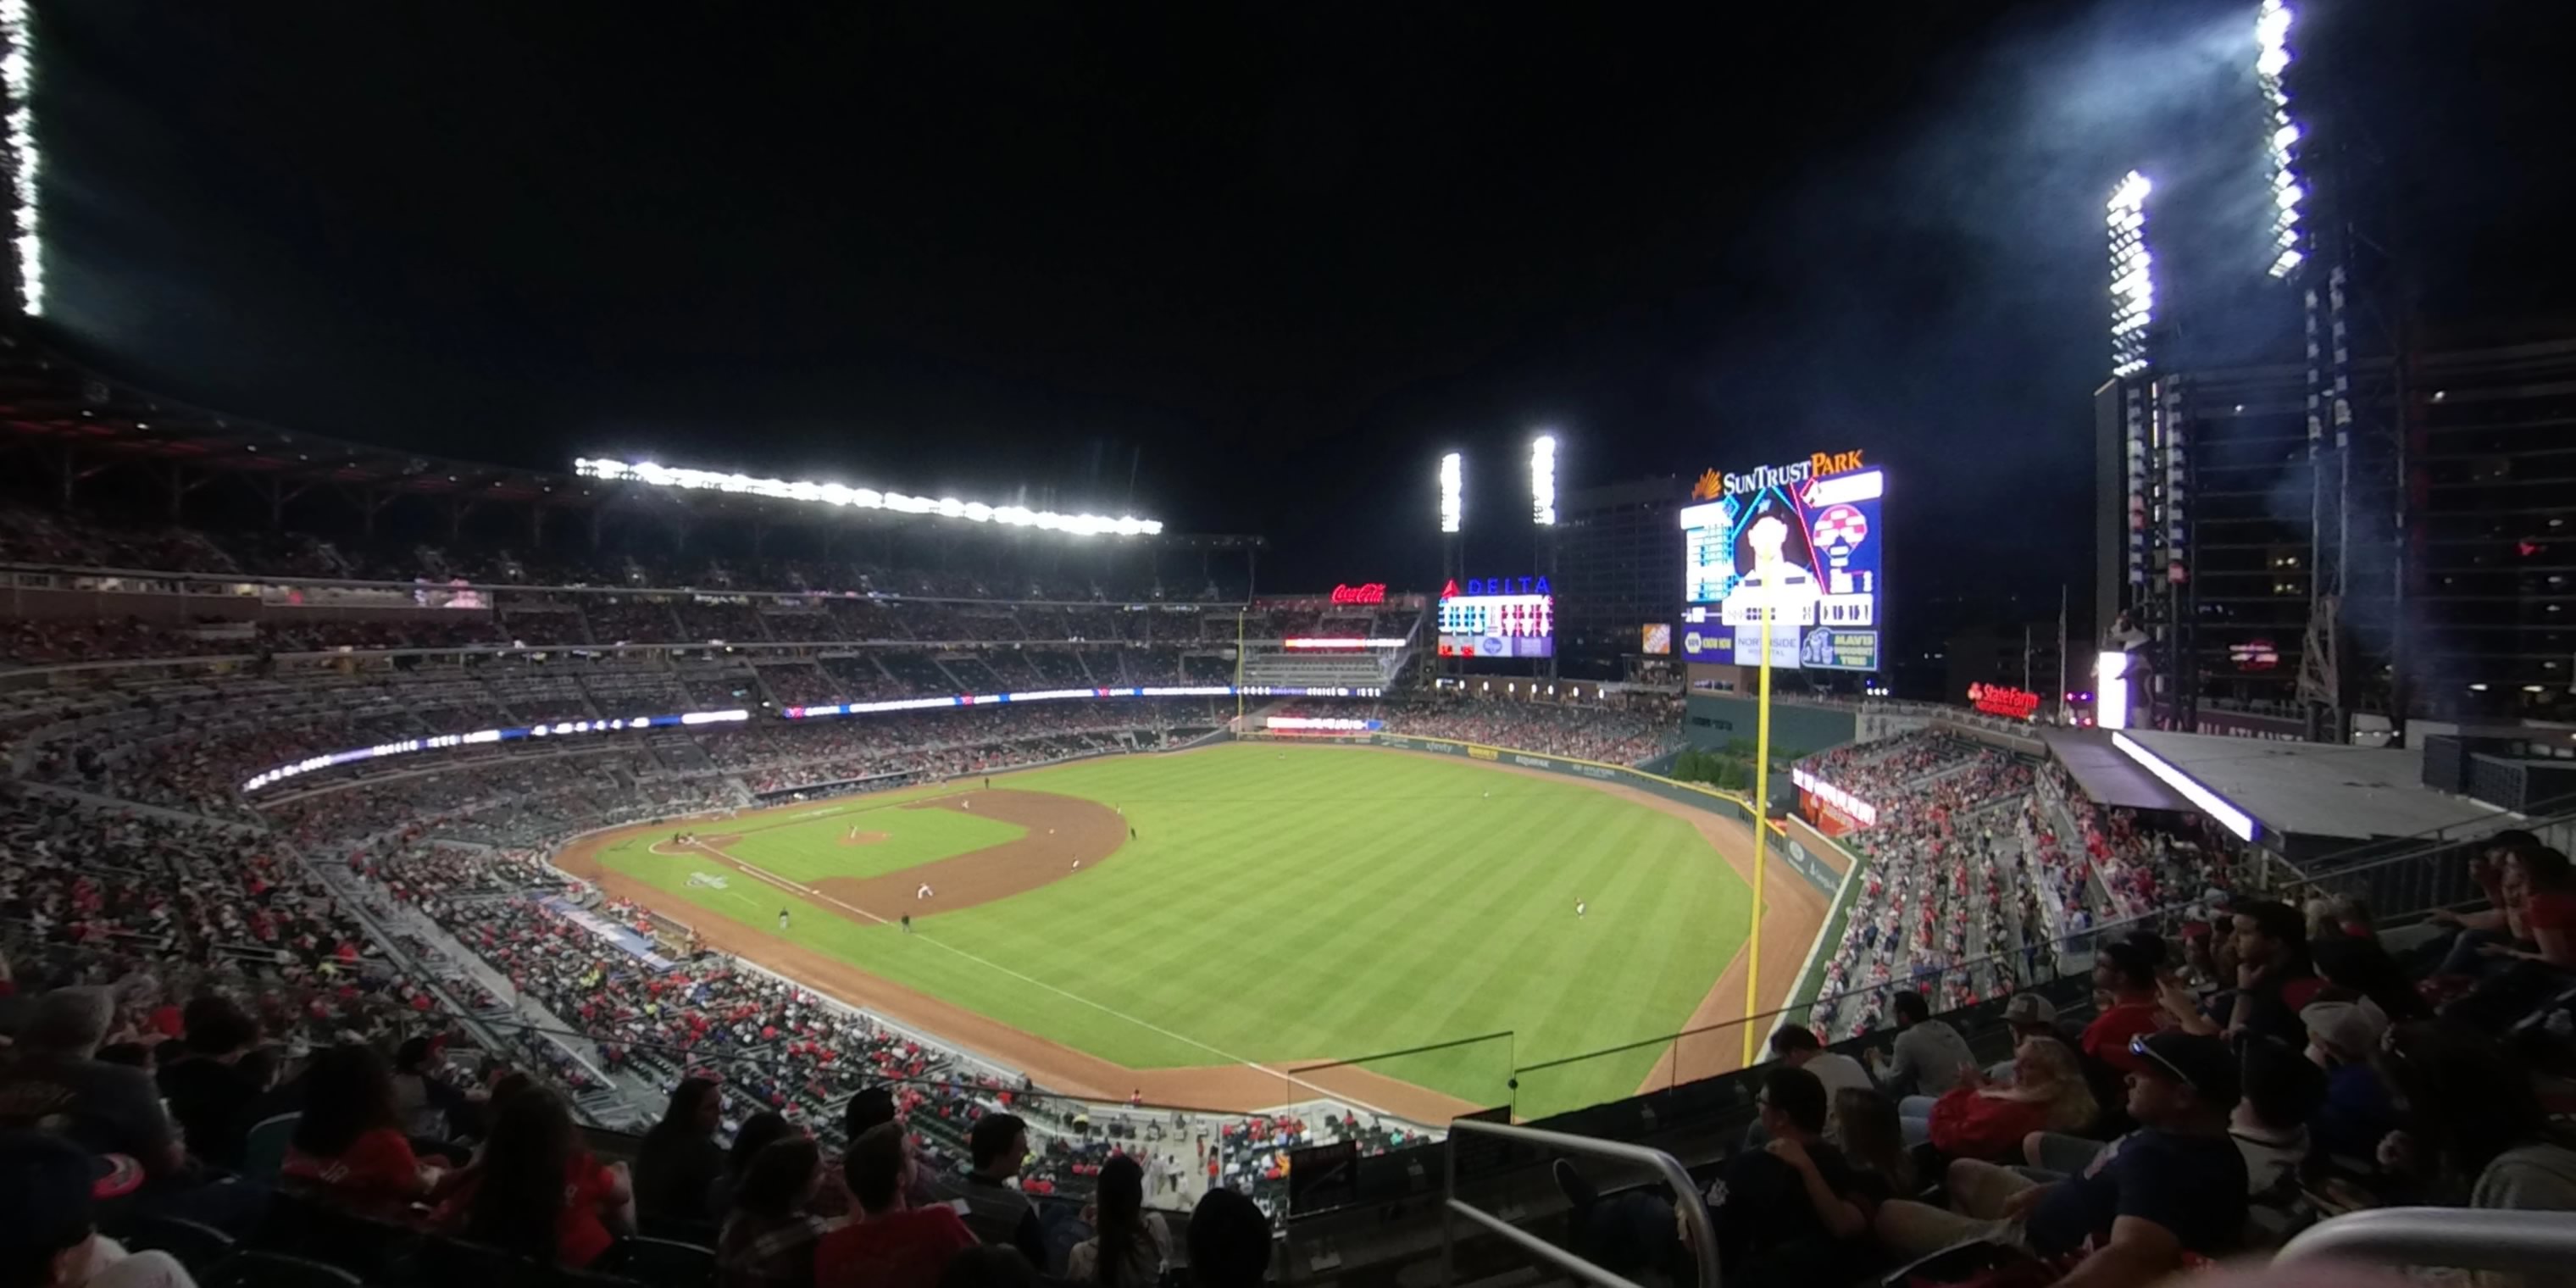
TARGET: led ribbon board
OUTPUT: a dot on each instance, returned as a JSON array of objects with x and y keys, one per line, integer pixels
[
  {"x": 482, "y": 737},
  {"x": 1861, "y": 811},
  {"x": 574, "y": 728},
  {"x": 1077, "y": 695},
  {"x": 1323, "y": 724},
  {"x": 2238, "y": 823}
]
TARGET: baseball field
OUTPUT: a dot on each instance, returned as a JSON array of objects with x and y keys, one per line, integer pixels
[{"x": 1206, "y": 927}]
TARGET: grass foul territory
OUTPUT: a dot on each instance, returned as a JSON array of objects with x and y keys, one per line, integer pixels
[{"x": 1276, "y": 906}]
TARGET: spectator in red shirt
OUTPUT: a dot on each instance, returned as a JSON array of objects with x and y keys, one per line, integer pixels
[
  {"x": 1980, "y": 1120},
  {"x": 2548, "y": 908},
  {"x": 2126, "y": 970},
  {"x": 535, "y": 1191},
  {"x": 892, "y": 1244},
  {"x": 349, "y": 1143}
]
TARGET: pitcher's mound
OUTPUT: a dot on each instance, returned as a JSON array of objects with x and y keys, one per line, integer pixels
[{"x": 866, "y": 838}]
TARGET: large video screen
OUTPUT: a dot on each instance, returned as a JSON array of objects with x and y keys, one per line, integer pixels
[
  {"x": 1800, "y": 540},
  {"x": 1498, "y": 617}
]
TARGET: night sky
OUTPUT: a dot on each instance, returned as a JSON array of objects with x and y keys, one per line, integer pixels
[{"x": 1242, "y": 268}]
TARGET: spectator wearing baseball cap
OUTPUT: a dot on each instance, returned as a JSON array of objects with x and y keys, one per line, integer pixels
[
  {"x": 2030, "y": 1015},
  {"x": 2175, "y": 1187},
  {"x": 57, "y": 1084},
  {"x": 2357, "y": 1111},
  {"x": 49, "y": 1194}
]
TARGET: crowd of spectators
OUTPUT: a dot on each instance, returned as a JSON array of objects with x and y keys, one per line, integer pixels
[
  {"x": 1945, "y": 905},
  {"x": 1251, "y": 1155},
  {"x": 2266, "y": 1068},
  {"x": 1625, "y": 730},
  {"x": 2136, "y": 869},
  {"x": 53, "y": 539}
]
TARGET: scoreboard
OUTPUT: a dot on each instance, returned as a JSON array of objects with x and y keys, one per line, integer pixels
[
  {"x": 1498, "y": 617},
  {"x": 1799, "y": 543}
]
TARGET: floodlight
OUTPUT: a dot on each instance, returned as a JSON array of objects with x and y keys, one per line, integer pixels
[
  {"x": 18, "y": 85},
  {"x": 2111, "y": 678},
  {"x": 1543, "y": 480},
  {"x": 2133, "y": 282},
  {"x": 2271, "y": 62},
  {"x": 1453, "y": 499},
  {"x": 862, "y": 498}
]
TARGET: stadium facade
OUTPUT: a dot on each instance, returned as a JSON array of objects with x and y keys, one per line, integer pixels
[
  {"x": 2459, "y": 575},
  {"x": 1619, "y": 570}
]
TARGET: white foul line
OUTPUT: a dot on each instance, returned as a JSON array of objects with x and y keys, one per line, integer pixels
[{"x": 1284, "y": 1077}]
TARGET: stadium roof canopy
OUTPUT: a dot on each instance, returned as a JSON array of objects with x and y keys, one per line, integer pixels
[
  {"x": 2108, "y": 778},
  {"x": 82, "y": 422},
  {"x": 2318, "y": 796}
]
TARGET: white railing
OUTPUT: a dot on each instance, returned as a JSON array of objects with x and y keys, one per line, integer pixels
[
  {"x": 2510, "y": 1242},
  {"x": 1694, "y": 1213}
]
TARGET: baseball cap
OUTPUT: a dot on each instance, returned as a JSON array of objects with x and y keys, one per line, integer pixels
[
  {"x": 2203, "y": 1064},
  {"x": 50, "y": 1188},
  {"x": 2029, "y": 1008},
  {"x": 2353, "y": 1031}
]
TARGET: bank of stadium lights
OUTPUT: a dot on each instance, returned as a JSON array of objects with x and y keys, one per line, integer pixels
[
  {"x": 2133, "y": 279},
  {"x": 2281, "y": 132},
  {"x": 865, "y": 498},
  {"x": 1453, "y": 489},
  {"x": 1543, "y": 480},
  {"x": 18, "y": 79}
]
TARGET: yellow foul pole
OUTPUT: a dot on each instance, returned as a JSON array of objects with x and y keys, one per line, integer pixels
[
  {"x": 1761, "y": 838},
  {"x": 1239, "y": 730}
]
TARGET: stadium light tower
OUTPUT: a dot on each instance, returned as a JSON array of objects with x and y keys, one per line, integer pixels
[
  {"x": 1453, "y": 515},
  {"x": 1543, "y": 480},
  {"x": 2133, "y": 276},
  {"x": 2281, "y": 132},
  {"x": 18, "y": 88}
]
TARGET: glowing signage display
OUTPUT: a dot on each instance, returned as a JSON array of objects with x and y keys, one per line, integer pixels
[
  {"x": 1860, "y": 810},
  {"x": 2111, "y": 689},
  {"x": 2003, "y": 700},
  {"x": 1498, "y": 617},
  {"x": 1323, "y": 724},
  {"x": 1341, "y": 643},
  {"x": 1655, "y": 638},
  {"x": 2238, "y": 823},
  {"x": 1797, "y": 543},
  {"x": 893, "y": 705},
  {"x": 1367, "y": 592}
]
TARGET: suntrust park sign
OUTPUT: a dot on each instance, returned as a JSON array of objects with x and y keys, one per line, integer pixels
[{"x": 1818, "y": 465}]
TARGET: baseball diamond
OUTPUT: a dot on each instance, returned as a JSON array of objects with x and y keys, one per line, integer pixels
[{"x": 1275, "y": 909}]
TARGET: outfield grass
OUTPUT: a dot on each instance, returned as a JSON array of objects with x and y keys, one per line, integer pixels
[{"x": 1306, "y": 903}]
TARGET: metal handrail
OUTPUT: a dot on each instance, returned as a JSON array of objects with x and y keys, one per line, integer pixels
[
  {"x": 2458, "y": 1238},
  {"x": 1703, "y": 1233}
]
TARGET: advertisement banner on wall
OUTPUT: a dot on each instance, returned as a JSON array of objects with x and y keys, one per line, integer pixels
[{"x": 1824, "y": 816}]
